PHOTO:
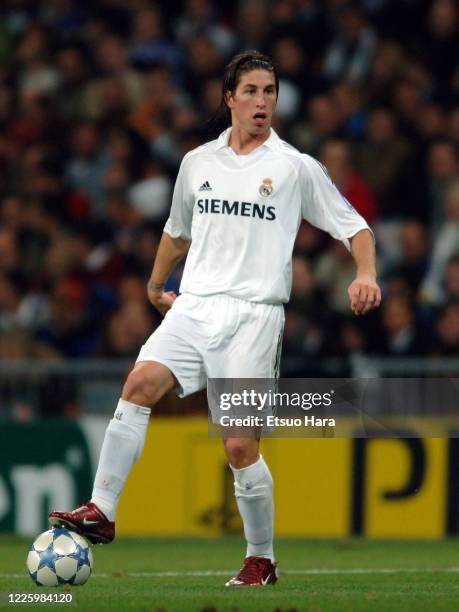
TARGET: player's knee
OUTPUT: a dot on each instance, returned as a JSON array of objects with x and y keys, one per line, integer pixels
[
  {"x": 137, "y": 389},
  {"x": 144, "y": 386},
  {"x": 240, "y": 454}
]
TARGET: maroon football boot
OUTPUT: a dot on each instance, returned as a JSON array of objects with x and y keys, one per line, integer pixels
[
  {"x": 256, "y": 571},
  {"x": 87, "y": 520}
]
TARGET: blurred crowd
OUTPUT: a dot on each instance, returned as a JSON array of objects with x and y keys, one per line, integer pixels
[{"x": 100, "y": 100}]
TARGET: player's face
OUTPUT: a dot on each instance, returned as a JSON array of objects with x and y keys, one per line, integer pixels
[{"x": 253, "y": 103}]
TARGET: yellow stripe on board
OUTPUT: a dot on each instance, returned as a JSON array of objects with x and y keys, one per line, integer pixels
[{"x": 182, "y": 486}]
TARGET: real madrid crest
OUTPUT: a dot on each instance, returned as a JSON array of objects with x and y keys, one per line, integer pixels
[{"x": 266, "y": 188}]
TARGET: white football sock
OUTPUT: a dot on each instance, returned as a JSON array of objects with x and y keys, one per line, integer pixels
[
  {"x": 122, "y": 446},
  {"x": 253, "y": 487}
]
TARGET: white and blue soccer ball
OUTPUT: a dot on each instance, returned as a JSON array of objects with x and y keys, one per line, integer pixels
[{"x": 59, "y": 556}]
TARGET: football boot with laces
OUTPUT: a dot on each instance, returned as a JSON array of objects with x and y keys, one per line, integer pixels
[{"x": 86, "y": 520}]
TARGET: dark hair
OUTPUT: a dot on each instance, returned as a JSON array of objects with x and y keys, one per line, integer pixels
[{"x": 240, "y": 63}]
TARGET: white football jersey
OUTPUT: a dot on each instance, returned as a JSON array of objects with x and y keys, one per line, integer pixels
[{"x": 242, "y": 214}]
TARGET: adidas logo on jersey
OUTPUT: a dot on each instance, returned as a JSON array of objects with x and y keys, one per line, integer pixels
[{"x": 205, "y": 187}]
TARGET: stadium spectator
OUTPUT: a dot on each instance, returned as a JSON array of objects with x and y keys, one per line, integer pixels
[
  {"x": 441, "y": 43},
  {"x": 73, "y": 74},
  {"x": 149, "y": 118},
  {"x": 348, "y": 100},
  {"x": 431, "y": 122},
  {"x": 12, "y": 211},
  {"x": 451, "y": 279},
  {"x": 401, "y": 335},
  {"x": 382, "y": 158},
  {"x": 149, "y": 43},
  {"x": 9, "y": 250},
  {"x": 210, "y": 97},
  {"x": 86, "y": 165},
  {"x": 70, "y": 331},
  {"x": 446, "y": 244},
  {"x": 333, "y": 270},
  {"x": 414, "y": 255},
  {"x": 309, "y": 242},
  {"x": 324, "y": 122},
  {"x": 350, "y": 53},
  {"x": 204, "y": 61},
  {"x": 151, "y": 195},
  {"x": 443, "y": 169},
  {"x": 307, "y": 324},
  {"x": 447, "y": 330},
  {"x": 126, "y": 329},
  {"x": 453, "y": 125},
  {"x": 386, "y": 71},
  {"x": 351, "y": 340},
  {"x": 289, "y": 58},
  {"x": 336, "y": 157},
  {"x": 202, "y": 16},
  {"x": 37, "y": 75},
  {"x": 253, "y": 25},
  {"x": 100, "y": 101},
  {"x": 62, "y": 15},
  {"x": 10, "y": 299}
]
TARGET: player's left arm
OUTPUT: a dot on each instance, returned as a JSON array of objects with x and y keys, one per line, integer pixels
[
  {"x": 364, "y": 292},
  {"x": 325, "y": 207}
]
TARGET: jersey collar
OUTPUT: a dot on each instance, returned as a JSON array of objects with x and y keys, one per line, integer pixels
[{"x": 272, "y": 142}]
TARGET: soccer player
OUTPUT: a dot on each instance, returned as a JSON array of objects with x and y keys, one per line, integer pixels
[{"x": 236, "y": 209}]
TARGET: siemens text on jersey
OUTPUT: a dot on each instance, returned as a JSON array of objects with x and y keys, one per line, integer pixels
[{"x": 242, "y": 209}]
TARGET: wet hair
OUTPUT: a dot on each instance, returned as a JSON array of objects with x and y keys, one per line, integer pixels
[{"x": 240, "y": 63}]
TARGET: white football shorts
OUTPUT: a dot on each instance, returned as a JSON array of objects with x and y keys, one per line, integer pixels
[{"x": 216, "y": 337}]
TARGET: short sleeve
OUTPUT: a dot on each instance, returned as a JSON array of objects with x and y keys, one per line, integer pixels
[
  {"x": 324, "y": 206},
  {"x": 178, "y": 224}
]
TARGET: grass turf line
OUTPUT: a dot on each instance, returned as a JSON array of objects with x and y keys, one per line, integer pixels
[{"x": 423, "y": 590}]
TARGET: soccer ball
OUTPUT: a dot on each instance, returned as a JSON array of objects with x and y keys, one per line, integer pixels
[{"x": 59, "y": 556}]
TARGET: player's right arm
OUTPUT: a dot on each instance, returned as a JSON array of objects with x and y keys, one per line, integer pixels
[
  {"x": 175, "y": 240},
  {"x": 170, "y": 252}
]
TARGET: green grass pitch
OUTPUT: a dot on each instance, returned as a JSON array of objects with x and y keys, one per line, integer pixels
[{"x": 189, "y": 574}]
